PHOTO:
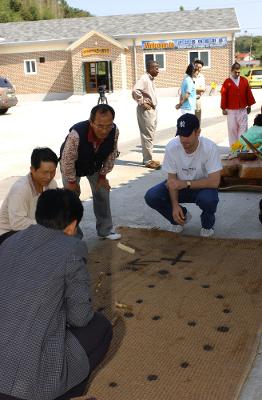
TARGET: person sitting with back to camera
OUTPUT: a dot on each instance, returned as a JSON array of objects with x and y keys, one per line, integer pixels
[{"x": 50, "y": 337}]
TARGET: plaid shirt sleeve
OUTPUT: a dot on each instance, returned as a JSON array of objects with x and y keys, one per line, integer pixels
[
  {"x": 69, "y": 156},
  {"x": 109, "y": 163}
]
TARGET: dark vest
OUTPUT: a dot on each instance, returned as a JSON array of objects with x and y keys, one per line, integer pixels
[{"x": 89, "y": 162}]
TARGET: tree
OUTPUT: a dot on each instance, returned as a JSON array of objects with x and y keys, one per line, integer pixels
[
  {"x": 249, "y": 44},
  {"x": 15, "y": 5},
  {"x": 4, "y": 16},
  {"x": 181, "y": 8},
  {"x": 32, "y": 10}
]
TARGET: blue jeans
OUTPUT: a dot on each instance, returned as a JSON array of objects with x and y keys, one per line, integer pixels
[{"x": 206, "y": 199}]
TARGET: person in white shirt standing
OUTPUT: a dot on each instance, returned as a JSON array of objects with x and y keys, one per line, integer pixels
[
  {"x": 200, "y": 86},
  {"x": 18, "y": 208},
  {"x": 193, "y": 166},
  {"x": 144, "y": 94}
]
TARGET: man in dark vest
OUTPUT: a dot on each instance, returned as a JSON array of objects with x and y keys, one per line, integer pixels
[{"x": 90, "y": 150}]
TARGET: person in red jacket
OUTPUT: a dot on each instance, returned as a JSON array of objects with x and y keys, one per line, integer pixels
[{"x": 236, "y": 102}]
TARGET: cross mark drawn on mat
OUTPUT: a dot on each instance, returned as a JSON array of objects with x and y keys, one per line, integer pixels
[
  {"x": 177, "y": 259},
  {"x": 138, "y": 261},
  {"x": 134, "y": 265}
]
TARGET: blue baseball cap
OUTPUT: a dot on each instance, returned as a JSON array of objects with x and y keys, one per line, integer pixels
[{"x": 186, "y": 124}]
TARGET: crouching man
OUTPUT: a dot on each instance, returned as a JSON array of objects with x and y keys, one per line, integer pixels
[
  {"x": 50, "y": 338},
  {"x": 193, "y": 166},
  {"x": 18, "y": 208}
]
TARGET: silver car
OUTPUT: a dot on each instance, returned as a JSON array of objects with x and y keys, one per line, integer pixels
[{"x": 7, "y": 95}]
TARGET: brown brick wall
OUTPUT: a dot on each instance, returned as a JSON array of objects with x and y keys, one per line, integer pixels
[
  {"x": 95, "y": 42},
  {"x": 55, "y": 75},
  {"x": 176, "y": 64}
]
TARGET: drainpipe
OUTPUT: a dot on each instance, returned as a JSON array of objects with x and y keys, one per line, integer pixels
[{"x": 135, "y": 61}]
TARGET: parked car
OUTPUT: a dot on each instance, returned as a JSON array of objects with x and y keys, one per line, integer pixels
[
  {"x": 254, "y": 77},
  {"x": 7, "y": 95}
]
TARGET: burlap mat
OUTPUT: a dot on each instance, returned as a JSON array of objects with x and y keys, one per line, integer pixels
[{"x": 191, "y": 326}]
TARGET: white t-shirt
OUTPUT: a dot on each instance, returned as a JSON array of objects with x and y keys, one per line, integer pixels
[
  {"x": 189, "y": 167},
  {"x": 200, "y": 81}
]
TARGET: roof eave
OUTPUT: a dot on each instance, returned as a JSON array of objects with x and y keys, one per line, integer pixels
[
  {"x": 134, "y": 35},
  {"x": 22, "y": 43}
]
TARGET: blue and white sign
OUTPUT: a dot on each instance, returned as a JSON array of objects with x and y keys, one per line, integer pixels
[
  {"x": 208, "y": 42},
  {"x": 200, "y": 43}
]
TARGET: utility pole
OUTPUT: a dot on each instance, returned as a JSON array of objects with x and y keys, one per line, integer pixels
[
  {"x": 250, "y": 47},
  {"x": 250, "y": 44}
]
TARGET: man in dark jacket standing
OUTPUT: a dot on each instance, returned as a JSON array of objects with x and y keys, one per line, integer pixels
[
  {"x": 90, "y": 150},
  {"x": 50, "y": 337}
]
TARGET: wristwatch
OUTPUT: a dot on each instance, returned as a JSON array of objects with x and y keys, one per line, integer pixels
[{"x": 188, "y": 184}]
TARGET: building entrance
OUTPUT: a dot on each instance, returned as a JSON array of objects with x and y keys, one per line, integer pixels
[{"x": 98, "y": 73}]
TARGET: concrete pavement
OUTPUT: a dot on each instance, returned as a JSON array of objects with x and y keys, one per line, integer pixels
[{"x": 36, "y": 123}]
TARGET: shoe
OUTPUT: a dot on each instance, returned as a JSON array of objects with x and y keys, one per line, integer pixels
[
  {"x": 177, "y": 228},
  {"x": 206, "y": 232},
  {"x": 113, "y": 235},
  {"x": 152, "y": 164},
  {"x": 180, "y": 228}
]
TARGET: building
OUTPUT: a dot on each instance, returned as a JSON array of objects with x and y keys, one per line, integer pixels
[
  {"x": 247, "y": 60},
  {"x": 78, "y": 55}
]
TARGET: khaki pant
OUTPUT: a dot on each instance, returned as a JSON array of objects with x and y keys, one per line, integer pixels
[
  {"x": 198, "y": 110},
  {"x": 147, "y": 122}
]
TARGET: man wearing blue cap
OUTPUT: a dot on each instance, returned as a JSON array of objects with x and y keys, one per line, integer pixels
[{"x": 193, "y": 166}]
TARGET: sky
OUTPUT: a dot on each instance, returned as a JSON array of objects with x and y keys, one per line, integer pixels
[{"x": 248, "y": 12}]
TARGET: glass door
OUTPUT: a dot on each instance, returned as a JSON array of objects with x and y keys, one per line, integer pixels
[
  {"x": 91, "y": 77},
  {"x": 98, "y": 73}
]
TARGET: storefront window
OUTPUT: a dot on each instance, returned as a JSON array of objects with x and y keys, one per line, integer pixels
[
  {"x": 157, "y": 57},
  {"x": 200, "y": 55}
]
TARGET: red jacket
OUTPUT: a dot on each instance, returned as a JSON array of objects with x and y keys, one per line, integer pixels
[{"x": 234, "y": 97}]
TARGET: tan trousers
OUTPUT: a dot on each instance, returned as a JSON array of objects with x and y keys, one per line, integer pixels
[
  {"x": 147, "y": 122},
  {"x": 198, "y": 110}
]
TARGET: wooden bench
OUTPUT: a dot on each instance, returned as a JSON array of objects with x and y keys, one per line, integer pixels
[{"x": 241, "y": 175}]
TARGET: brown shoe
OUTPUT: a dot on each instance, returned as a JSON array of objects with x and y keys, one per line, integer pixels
[{"x": 153, "y": 164}]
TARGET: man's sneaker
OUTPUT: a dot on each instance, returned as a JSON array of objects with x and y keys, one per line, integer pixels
[
  {"x": 113, "y": 235},
  {"x": 152, "y": 164},
  {"x": 177, "y": 228},
  {"x": 206, "y": 232},
  {"x": 180, "y": 228}
]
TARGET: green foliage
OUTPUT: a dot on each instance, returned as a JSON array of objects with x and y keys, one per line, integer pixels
[
  {"x": 30, "y": 13},
  {"x": 250, "y": 44},
  {"x": 15, "y": 5},
  {"x": 244, "y": 70},
  {"x": 4, "y": 16},
  {"x": 32, "y": 10}
]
